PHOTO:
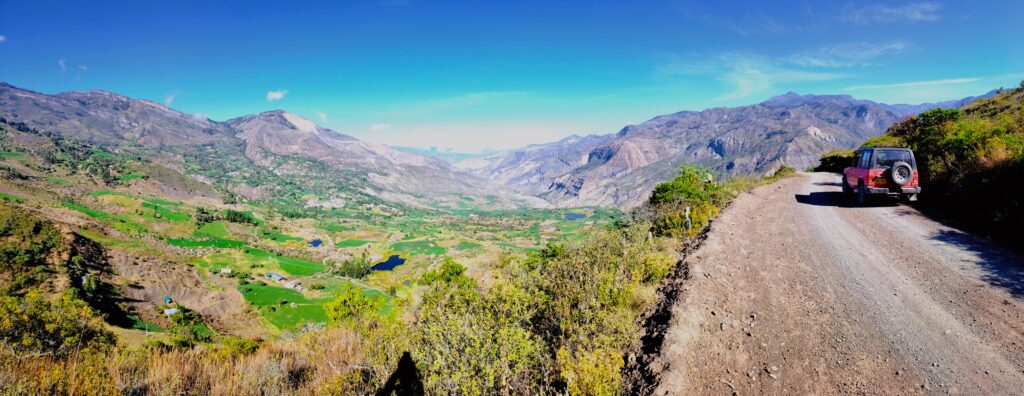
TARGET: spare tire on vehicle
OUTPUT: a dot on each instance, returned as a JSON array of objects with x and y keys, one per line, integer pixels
[{"x": 900, "y": 173}]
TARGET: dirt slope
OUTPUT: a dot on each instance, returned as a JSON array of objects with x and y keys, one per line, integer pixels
[{"x": 796, "y": 291}]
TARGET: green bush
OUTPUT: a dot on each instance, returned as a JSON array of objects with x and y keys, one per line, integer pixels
[
  {"x": 692, "y": 185},
  {"x": 783, "y": 172},
  {"x": 686, "y": 204},
  {"x": 237, "y": 346},
  {"x": 884, "y": 141},
  {"x": 61, "y": 326},
  {"x": 351, "y": 304},
  {"x": 474, "y": 341},
  {"x": 835, "y": 161}
]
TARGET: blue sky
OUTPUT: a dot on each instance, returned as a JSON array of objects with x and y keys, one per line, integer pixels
[{"x": 469, "y": 75}]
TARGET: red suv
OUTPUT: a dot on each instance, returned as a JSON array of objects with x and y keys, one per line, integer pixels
[{"x": 882, "y": 171}]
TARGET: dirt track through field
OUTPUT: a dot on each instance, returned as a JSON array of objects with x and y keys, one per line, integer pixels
[{"x": 797, "y": 290}]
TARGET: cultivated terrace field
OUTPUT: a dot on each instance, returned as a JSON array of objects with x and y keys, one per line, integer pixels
[{"x": 247, "y": 241}]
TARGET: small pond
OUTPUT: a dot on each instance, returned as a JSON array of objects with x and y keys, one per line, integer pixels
[
  {"x": 575, "y": 216},
  {"x": 389, "y": 264}
]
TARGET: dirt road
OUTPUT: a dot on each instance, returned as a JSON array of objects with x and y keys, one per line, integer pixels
[{"x": 796, "y": 290}]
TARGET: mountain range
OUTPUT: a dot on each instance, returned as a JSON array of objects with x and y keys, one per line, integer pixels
[
  {"x": 279, "y": 154},
  {"x": 259, "y": 156},
  {"x": 620, "y": 169}
]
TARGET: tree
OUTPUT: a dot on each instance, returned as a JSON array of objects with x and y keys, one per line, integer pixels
[
  {"x": 356, "y": 267},
  {"x": 240, "y": 217},
  {"x": 203, "y": 216}
]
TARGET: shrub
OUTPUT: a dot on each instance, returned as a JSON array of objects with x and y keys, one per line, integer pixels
[
  {"x": 473, "y": 342},
  {"x": 835, "y": 161},
  {"x": 351, "y": 304},
  {"x": 691, "y": 185},
  {"x": 782, "y": 172},
  {"x": 686, "y": 204},
  {"x": 237, "y": 346},
  {"x": 881, "y": 141}
]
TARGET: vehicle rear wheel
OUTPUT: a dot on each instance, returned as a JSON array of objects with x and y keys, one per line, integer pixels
[{"x": 862, "y": 193}]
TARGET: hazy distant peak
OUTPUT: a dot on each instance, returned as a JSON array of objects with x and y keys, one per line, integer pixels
[
  {"x": 300, "y": 123},
  {"x": 571, "y": 139},
  {"x": 280, "y": 118}
]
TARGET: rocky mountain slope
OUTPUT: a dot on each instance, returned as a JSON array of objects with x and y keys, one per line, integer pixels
[
  {"x": 100, "y": 117},
  {"x": 257, "y": 156},
  {"x": 620, "y": 169}
]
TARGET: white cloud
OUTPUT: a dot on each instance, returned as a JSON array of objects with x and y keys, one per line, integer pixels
[
  {"x": 915, "y": 84},
  {"x": 170, "y": 97},
  {"x": 745, "y": 74},
  {"x": 3, "y": 38},
  {"x": 882, "y": 13},
  {"x": 379, "y": 126},
  {"x": 850, "y": 54},
  {"x": 923, "y": 91},
  {"x": 322, "y": 116},
  {"x": 63, "y": 67},
  {"x": 83, "y": 67},
  {"x": 276, "y": 95}
]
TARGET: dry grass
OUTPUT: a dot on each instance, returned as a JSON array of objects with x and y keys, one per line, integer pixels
[{"x": 322, "y": 362}]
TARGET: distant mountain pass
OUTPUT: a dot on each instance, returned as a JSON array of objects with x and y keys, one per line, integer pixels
[{"x": 445, "y": 154}]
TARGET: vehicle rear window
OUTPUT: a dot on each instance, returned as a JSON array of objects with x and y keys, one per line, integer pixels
[{"x": 885, "y": 158}]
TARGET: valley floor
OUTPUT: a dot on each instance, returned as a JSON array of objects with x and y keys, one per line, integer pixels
[{"x": 798, "y": 291}]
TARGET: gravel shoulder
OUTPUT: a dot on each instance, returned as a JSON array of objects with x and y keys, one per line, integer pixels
[{"x": 796, "y": 290}]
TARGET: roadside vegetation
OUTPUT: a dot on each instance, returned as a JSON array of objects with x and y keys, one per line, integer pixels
[
  {"x": 557, "y": 319},
  {"x": 835, "y": 161}
]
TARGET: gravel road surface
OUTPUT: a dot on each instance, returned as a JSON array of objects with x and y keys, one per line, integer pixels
[{"x": 798, "y": 290}]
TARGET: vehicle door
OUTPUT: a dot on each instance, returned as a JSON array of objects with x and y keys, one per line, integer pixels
[{"x": 863, "y": 167}]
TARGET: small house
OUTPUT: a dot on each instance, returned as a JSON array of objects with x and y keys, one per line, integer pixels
[
  {"x": 315, "y": 243},
  {"x": 276, "y": 277},
  {"x": 168, "y": 300},
  {"x": 225, "y": 271},
  {"x": 294, "y": 285},
  {"x": 171, "y": 311}
]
